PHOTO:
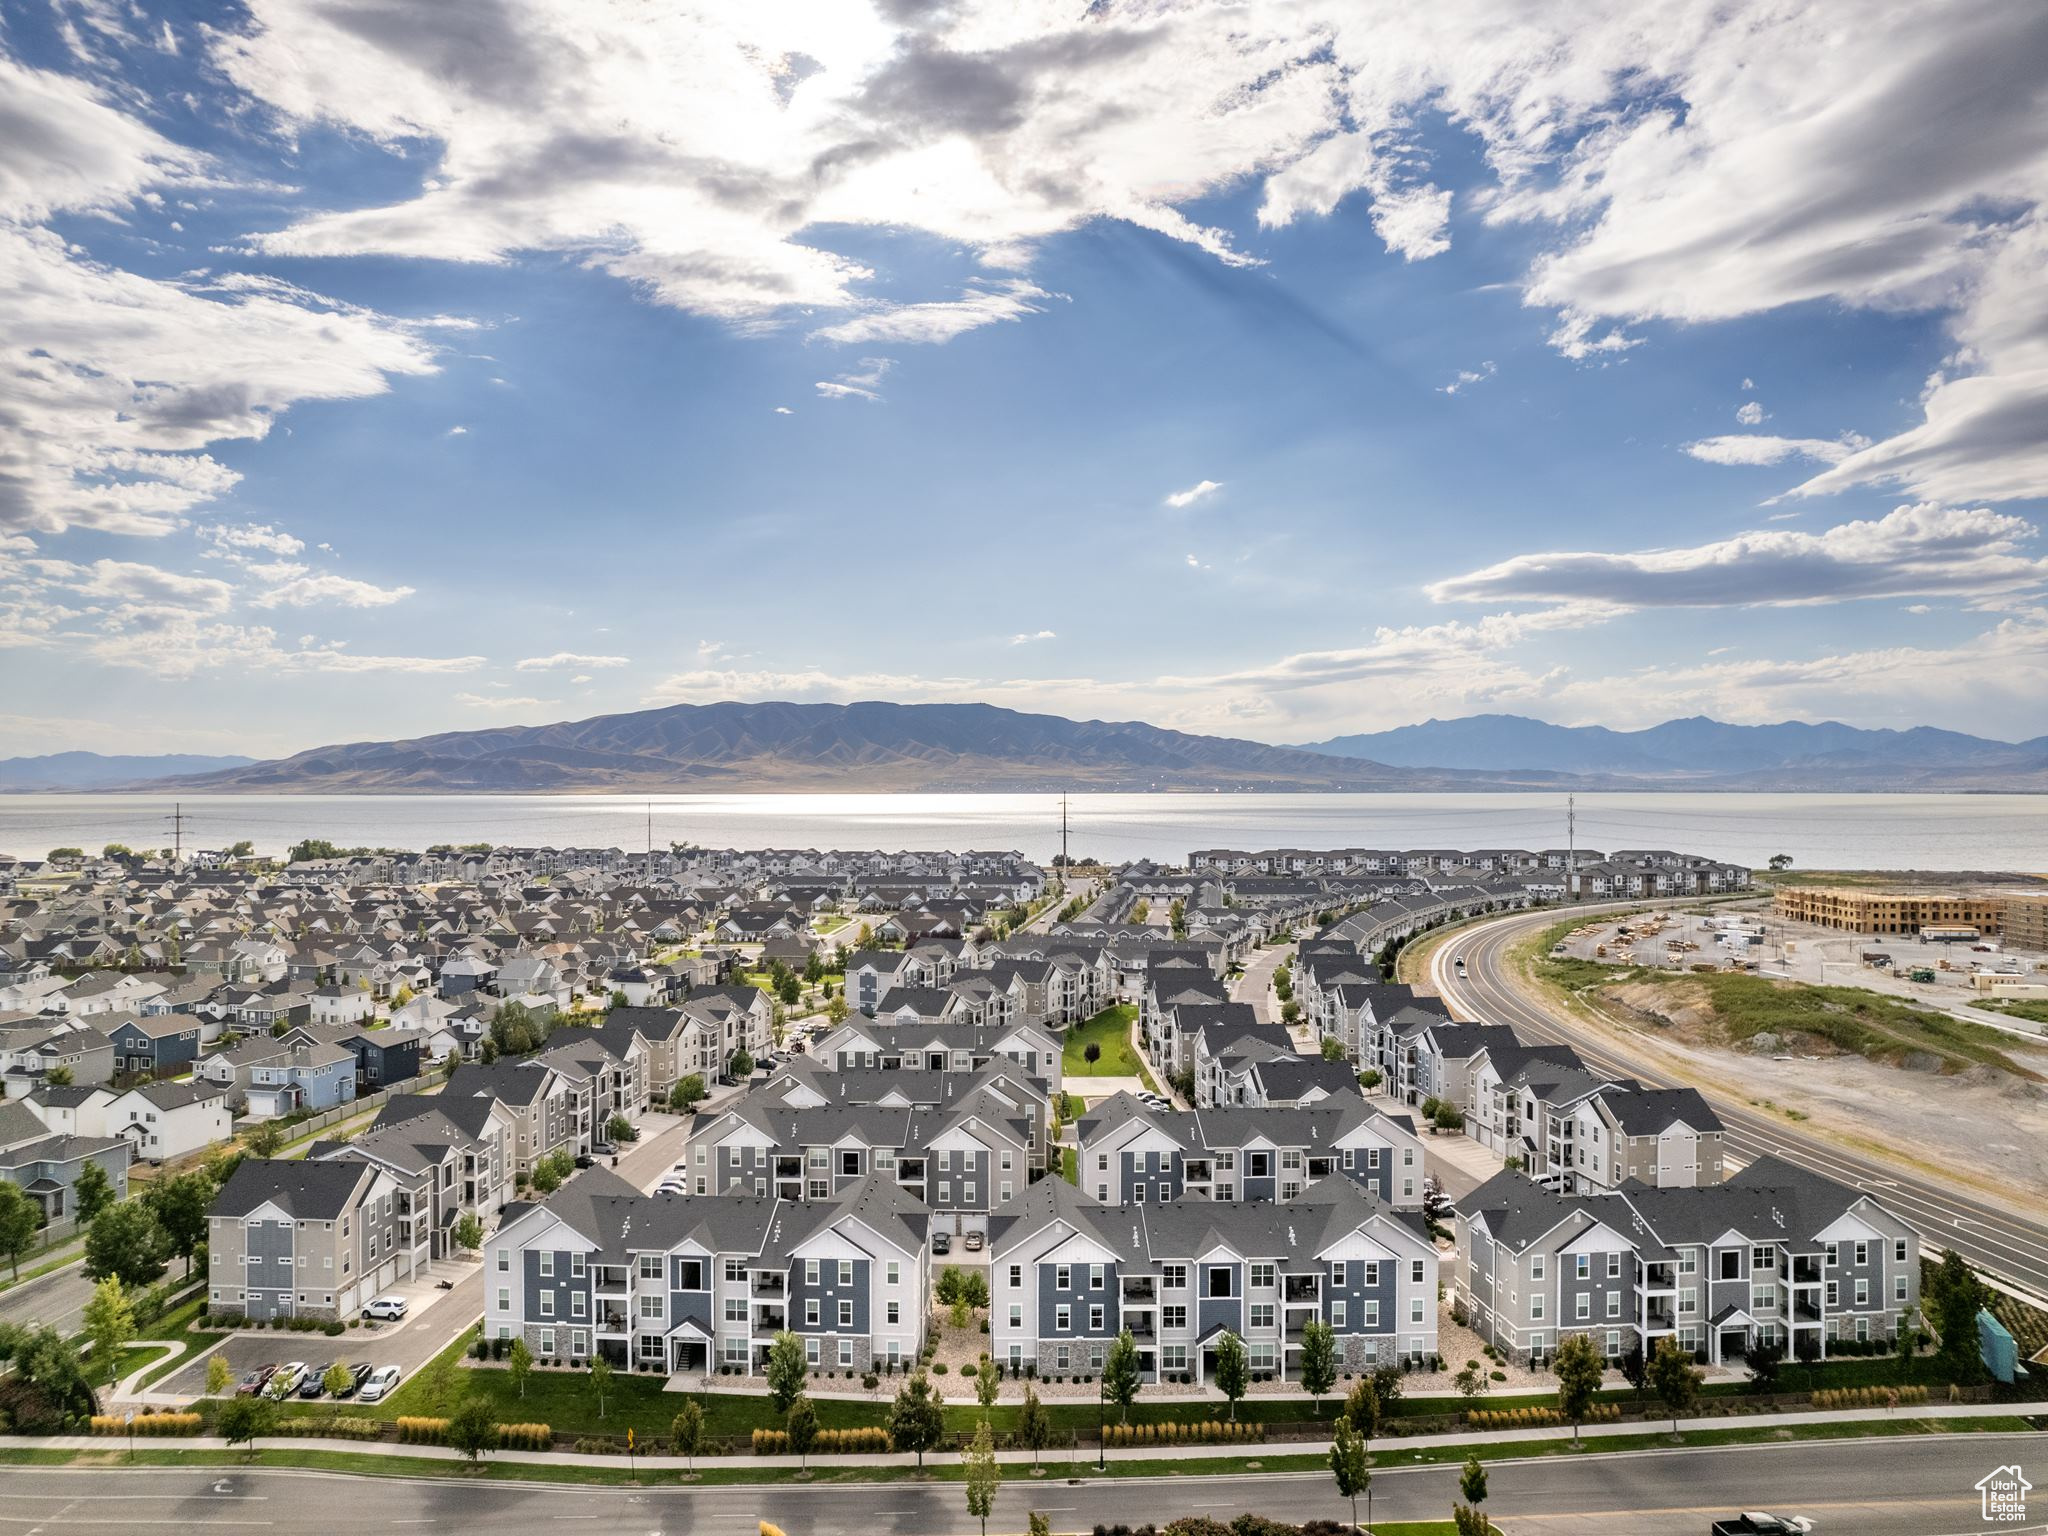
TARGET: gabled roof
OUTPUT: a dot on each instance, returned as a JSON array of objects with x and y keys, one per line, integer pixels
[{"x": 304, "y": 1189}]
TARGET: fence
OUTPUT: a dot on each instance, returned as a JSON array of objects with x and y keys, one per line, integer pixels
[{"x": 362, "y": 1104}]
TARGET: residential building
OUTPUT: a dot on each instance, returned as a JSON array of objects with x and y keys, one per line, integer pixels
[{"x": 305, "y": 1237}]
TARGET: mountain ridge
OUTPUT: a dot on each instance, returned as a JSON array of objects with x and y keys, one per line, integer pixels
[{"x": 95, "y": 770}]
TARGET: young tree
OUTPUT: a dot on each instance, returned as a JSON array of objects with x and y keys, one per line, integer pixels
[
  {"x": 1673, "y": 1378},
  {"x": 19, "y": 1221},
  {"x": 1366, "y": 1408},
  {"x": 686, "y": 1433},
  {"x": 219, "y": 1375},
  {"x": 58, "y": 1076},
  {"x": 1472, "y": 1481},
  {"x": 1957, "y": 1296},
  {"x": 600, "y": 1380},
  {"x": 1120, "y": 1378},
  {"x": 92, "y": 1193},
  {"x": 917, "y": 1419},
  {"x": 471, "y": 1429},
  {"x": 687, "y": 1094},
  {"x": 110, "y": 1323},
  {"x": 836, "y": 1008},
  {"x": 181, "y": 1205},
  {"x": 787, "y": 1370},
  {"x": 1635, "y": 1368},
  {"x": 1233, "y": 1369},
  {"x": 1349, "y": 1462},
  {"x": 1034, "y": 1424},
  {"x": 468, "y": 1232},
  {"x": 244, "y": 1418},
  {"x": 1579, "y": 1368},
  {"x": 264, "y": 1138},
  {"x": 984, "y": 1475},
  {"x": 801, "y": 1425},
  {"x": 1471, "y": 1383},
  {"x": 1333, "y": 1048},
  {"x": 519, "y": 1367},
  {"x": 986, "y": 1386},
  {"x": 337, "y": 1379},
  {"x": 1763, "y": 1361},
  {"x": 741, "y": 1066},
  {"x": 1318, "y": 1360},
  {"x": 125, "y": 1242}
]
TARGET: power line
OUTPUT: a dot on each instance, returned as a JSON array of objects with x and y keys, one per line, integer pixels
[{"x": 177, "y": 819}]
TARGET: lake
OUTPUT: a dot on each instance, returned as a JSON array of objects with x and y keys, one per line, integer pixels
[{"x": 1934, "y": 832}]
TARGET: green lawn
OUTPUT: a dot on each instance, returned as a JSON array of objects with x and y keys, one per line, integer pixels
[
  {"x": 1070, "y": 1166},
  {"x": 179, "y": 1326},
  {"x": 1110, "y": 1030},
  {"x": 2033, "y": 1009}
]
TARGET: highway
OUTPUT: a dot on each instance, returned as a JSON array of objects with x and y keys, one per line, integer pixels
[
  {"x": 1911, "y": 1487},
  {"x": 1997, "y": 1239}
]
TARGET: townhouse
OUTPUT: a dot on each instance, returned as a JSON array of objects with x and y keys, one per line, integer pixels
[
  {"x": 309, "y": 1237},
  {"x": 685, "y": 1283},
  {"x": 446, "y": 1158},
  {"x": 546, "y": 1114},
  {"x": 1068, "y": 1273},
  {"x": 862, "y": 1043},
  {"x": 1129, "y": 1155},
  {"x": 1775, "y": 1254},
  {"x": 159, "y": 1120}
]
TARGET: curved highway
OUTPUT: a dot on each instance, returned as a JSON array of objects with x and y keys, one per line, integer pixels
[{"x": 1999, "y": 1240}]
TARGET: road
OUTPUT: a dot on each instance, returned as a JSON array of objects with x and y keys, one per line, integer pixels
[
  {"x": 1255, "y": 986},
  {"x": 1995, "y": 1239},
  {"x": 1085, "y": 889},
  {"x": 57, "y": 1298},
  {"x": 413, "y": 1343},
  {"x": 1873, "y": 1488}
]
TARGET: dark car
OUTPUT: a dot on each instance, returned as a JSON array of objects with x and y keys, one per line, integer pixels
[
  {"x": 357, "y": 1375},
  {"x": 256, "y": 1380},
  {"x": 315, "y": 1384},
  {"x": 942, "y": 1242}
]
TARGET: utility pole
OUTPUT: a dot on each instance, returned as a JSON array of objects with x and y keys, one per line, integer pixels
[
  {"x": 1571, "y": 847},
  {"x": 1066, "y": 864},
  {"x": 650, "y": 837},
  {"x": 177, "y": 820}
]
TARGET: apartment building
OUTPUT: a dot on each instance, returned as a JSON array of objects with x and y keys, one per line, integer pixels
[
  {"x": 1774, "y": 1254},
  {"x": 448, "y": 1157},
  {"x": 1858, "y": 909},
  {"x": 868, "y": 1043},
  {"x": 1129, "y": 1155},
  {"x": 546, "y": 1115},
  {"x": 1068, "y": 1273},
  {"x": 685, "y": 1283},
  {"x": 306, "y": 1237}
]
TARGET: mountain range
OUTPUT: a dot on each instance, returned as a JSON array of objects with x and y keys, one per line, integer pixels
[{"x": 876, "y": 746}]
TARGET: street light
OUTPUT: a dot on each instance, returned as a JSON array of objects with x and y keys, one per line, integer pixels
[
  {"x": 1101, "y": 1423},
  {"x": 128, "y": 1418}
]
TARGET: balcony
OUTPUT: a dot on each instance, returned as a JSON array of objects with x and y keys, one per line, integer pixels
[
  {"x": 1303, "y": 1290},
  {"x": 1804, "y": 1310},
  {"x": 1660, "y": 1277},
  {"x": 609, "y": 1279},
  {"x": 1660, "y": 1319},
  {"x": 769, "y": 1285},
  {"x": 1806, "y": 1269},
  {"x": 1140, "y": 1325},
  {"x": 613, "y": 1320},
  {"x": 1140, "y": 1292}
]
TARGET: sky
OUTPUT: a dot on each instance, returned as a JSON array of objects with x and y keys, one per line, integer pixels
[{"x": 1271, "y": 370}]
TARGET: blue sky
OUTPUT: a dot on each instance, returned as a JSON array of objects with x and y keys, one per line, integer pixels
[{"x": 1280, "y": 373}]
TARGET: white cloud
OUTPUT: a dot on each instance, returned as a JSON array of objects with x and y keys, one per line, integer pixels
[
  {"x": 1026, "y": 639},
  {"x": 239, "y": 541},
  {"x": 858, "y": 384},
  {"x": 1750, "y": 414},
  {"x": 1194, "y": 493},
  {"x": 458, "y": 431},
  {"x": 1195, "y": 564},
  {"x": 301, "y": 591},
  {"x": 503, "y": 701},
  {"x": 150, "y": 588},
  {"x": 941, "y": 320},
  {"x": 1412, "y": 222},
  {"x": 1756, "y": 448},
  {"x": 564, "y": 659},
  {"x": 783, "y": 410},
  {"x": 1467, "y": 377},
  {"x": 184, "y": 646},
  {"x": 1912, "y": 551},
  {"x": 1748, "y": 383}
]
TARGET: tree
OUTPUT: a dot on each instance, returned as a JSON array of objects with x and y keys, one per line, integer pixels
[
  {"x": 917, "y": 1418},
  {"x": 519, "y": 1367},
  {"x": 1092, "y": 1053},
  {"x": 686, "y": 1433},
  {"x": 1177, "y": 918},
  {"x": 1120, "y": 1378},
  {"x": 1333, "y": 1048},
  {"x": 787, "y": 1370},
  {"x": 92, "y": 1193},
  {"x": 1781, "y": 861},
  {"x": 1905, "y": 1340},
  {"x": 600, "y": 1380},
  {"x": 1763, "y": 1359},
  {"x": 801, "y": 1425},
  {"x": 1034, "y": 1424},
  {"x": 19, "y": 1221},
  {"x": 1366, "y": 1408},
  {"x": 1349, "y": 1462},
  {"x": 468, "y": 1231},
  {"x": 244, "y": 1418},
  {"x": 836, "y": 1008},
  {"x": 1673, "y": 1378},
  {"x": 1635, "y": 1367},
  {"x": 1579, "y": 1368},
  {"x": 687, "y": 1094},
  {"x": 336, "y": 1381},
  {"x": 1957, "y": 1296},
  {"x": 58, "y": 1076},
  {"x": 264, "y": 1139},
  {"x": 241, "y": 850},
  {"x": 741, "y": 1066},
  {"x": 1471, "y": 1383},
  {"x": 125, "y": 1242},
  {"x": 1472, "y": 1481},
  {"x": 986, "y": 1386},
  {"x": 109, "y": 1323},
  {"x": 1370, "y": 1079},
  {"x": 984, "y": 1476},
  {"x": 219, "y": 1375},
  {"x": 311, "y": 848},
  {"x": 1233, "y": 1369},
  {"x": 471, "y": 1429},
  {"x": 618, "y": 1129},
  {"x": 63, "y": 855},
  {"x": 1318, "y": 1360},
  {"x": 181, "y": 1205}
]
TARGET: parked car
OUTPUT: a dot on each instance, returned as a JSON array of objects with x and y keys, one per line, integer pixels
[
  {"x": 287, "y": 1379},
  {"x": 602, "y": 1149},
  {"x": 974, "y": 1240},
  {"x": 357, "y": 1374},
  {"x": 942, "y": 1242},
  {"x": 378, "y": 1384},
  {"x": 1762, "y": 1525},
  {"x": 315, "y": 1384},
  {"x": 385, "y": 1309},
  {"x": 257, "y": 1380},
  {"x": 582, "y": 1159}
]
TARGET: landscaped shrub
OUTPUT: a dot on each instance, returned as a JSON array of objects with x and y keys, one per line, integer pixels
[
  {"x": 418, "y": 1431},
  {"x": 1868, "y": 1397},
  {"x": 150, "y": 1424},
  {"x": 939, "y": 1368},
  {"x": 596, "y": 1448},
  {"x": 526, "y": 1437},
  {"x": 970, "y": 1370},
  {"x": 1211, "y": 1432},
  {"x": 869, "y": 1440},
  {"x": 770, "y": 1442},
  {"x": 1537, "y": 1418},
  {"x": 332, "y": 1427}
]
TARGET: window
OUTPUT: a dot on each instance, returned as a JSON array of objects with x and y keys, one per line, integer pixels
[
  {"x": 1262, "y": 1277},
  {"x": 1372, "y": 1273},
  {"x": 504, "y": 1260},
  {"x": 1095, "y": 1319},
  {"x": 846, "y": 1352},
  {"x": 1584, "y": 1306},
  {"x": 1415, "y": 1310},
  {"x": 1138, "y": 1194},
  {"x": 1262, "y": 1314},
  {"x": 1898, "y": 1250},
  {"x": 1016, "y": 1274},
  {"x": 736, "y": 1269},
  {"x": 1862, "y": 1254},
  {"x": 1898, "y": 1288},
  {"x": 846, "y": 1314},
  {"x": 1613, "y": 1305},
  {"x": 1415, "y": 1271},
  {"x": 1063, "y": 1317},
  {"x": 1095, "y": 1277},
  {"x": 1862, "y": 1291},
  {"x": 1614, "y": 1266},
  {"x": 576, "y": 1304},
  {"x": 1689, "y": 1262},
  {"x": 1582, "y": 1266},
  {"x": 1834, "y": 1293},
  {"x": 547, "y": 1303},
  {"x": 1219, "y": 1280},
  {"x": 1173, "y": 1317},
  {"x": 846, "y": 1271},
  {"x": 1536, "y": 1304},
  {"x": 1688, "y": 1301},
  {"x": 650, "y": 1266},
  {"x": 1766, "y": 1297},
  {"x": 547, "y": 1265},
  {"x": 812, "y": 1355},
  {"x": 1833, "y": 1256},
  {"x": 1062, "y": 1356},
  {"x": 735, "y": 1309},
  {"x": 1173, "y": 1277},
  {"x": 547, "y": 1341},
  {"x": 1536, "y": 1266},
  {"x": 1337, "y": 1313},
  {"x": 504, "y": 1298},
  {"x": 1763, "y": 1256},
  {"x": 576, "y": 1265},
  {"x": 650, "y": 1308},
  {"x": 1372, "y": 1313},
  {"x": 810, "y": 1271},
  {"x": 810, "y": 1311},
  {"x": 1016, "y": 1316},
  {"x": 945, "y": 1193},
  {"x": 1731, "y": 1264}
]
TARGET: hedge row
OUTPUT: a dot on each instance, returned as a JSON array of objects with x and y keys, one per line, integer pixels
[
  {"x": 333, "y": 1426},
  {"x": 149, "y": 1424},
  {"x": 526, "y": 1437},
  {"x": 1208, "y": 1432},
  {"x": 418, "y": 1431},
  {"x": 1868, "y": 1397},
  {"x": 1537, "y": 1418},
  {"x": 227, "y": 1320}
]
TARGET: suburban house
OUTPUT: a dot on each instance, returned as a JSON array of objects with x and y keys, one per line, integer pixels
[
  {"x": 159, "y": 1120},
  {"x": 1069, "y": 1272},
  {"x": 384, "y": 1057},
  {"x": 312, "y": 1076},
  {"x": 153, "y": 1043},
  {"x": 45, "y": 1164},
  {"x": 683, "y": 1283},
  {"x": 28, "y": 1053},
  {"x": 335, "y": 1005},
  {"x": 1773, "y": 1255},
  {"x": 308, "y": 1237}
]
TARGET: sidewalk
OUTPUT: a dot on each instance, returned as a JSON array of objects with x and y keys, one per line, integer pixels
[{"x": 1388, "y": 1448}]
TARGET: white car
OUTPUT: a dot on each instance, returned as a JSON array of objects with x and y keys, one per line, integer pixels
[
  {"x": 286, "y": 1379},
  {"x": 385, "y": 1309},
  {"x": 379, "y": 1385}
]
